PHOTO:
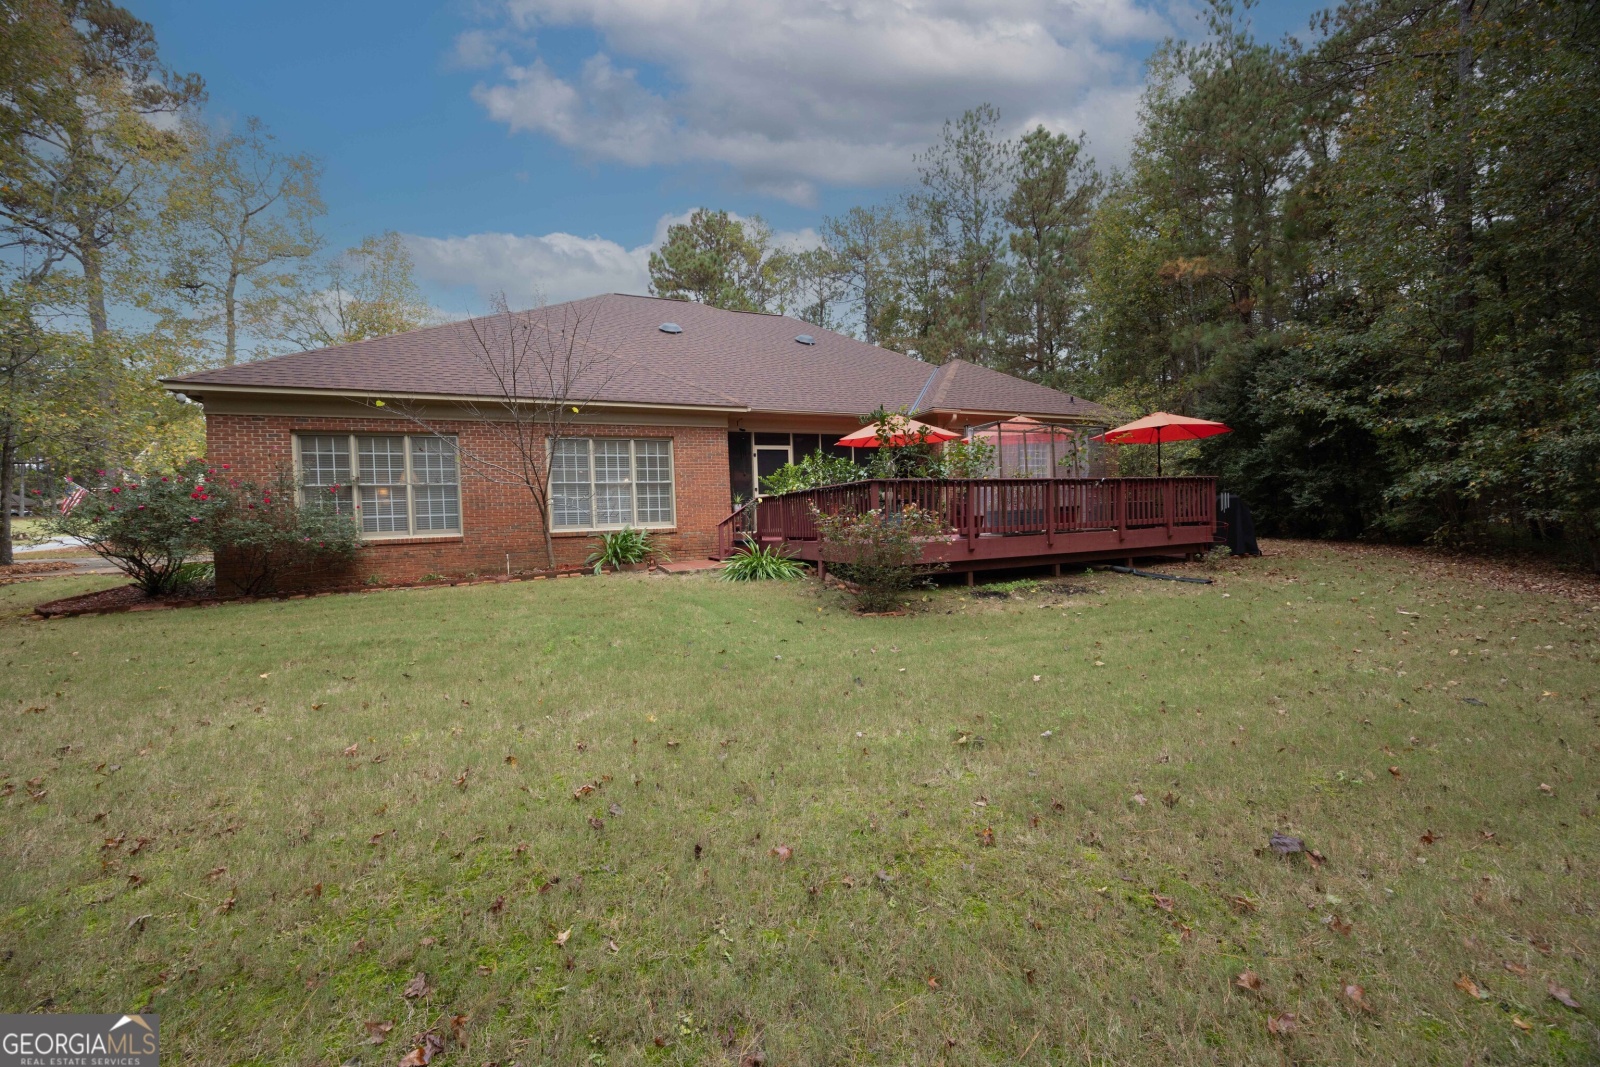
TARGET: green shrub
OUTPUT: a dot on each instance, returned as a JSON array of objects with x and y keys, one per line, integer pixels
[
  {"x": 878, "y": 551},
  {"x": 624, "y": 546},
  {"x": 966, "y": 458},
  {"x": 812, "y": 472},
  {"x": 760, "y": 563}
]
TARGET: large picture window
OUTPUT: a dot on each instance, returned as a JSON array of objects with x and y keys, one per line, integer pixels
[
  {"x": 606, "y": 483},
  {"x": 397, "y": 485}
]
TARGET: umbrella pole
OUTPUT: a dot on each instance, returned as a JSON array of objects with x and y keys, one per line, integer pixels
[{"x": 1158, "y": 451}]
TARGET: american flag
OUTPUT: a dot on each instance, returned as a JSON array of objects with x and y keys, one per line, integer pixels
[{"x": 74, "y": 498}]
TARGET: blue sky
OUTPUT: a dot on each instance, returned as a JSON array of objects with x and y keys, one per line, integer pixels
[{"x": 544, "y": 144}]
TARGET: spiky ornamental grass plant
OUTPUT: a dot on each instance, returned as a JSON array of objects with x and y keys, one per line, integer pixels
[{"x": 761, "y": 563}]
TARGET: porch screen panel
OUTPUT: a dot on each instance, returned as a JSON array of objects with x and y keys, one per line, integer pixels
[
  {"x": 613, "y": 483},
  {"x": 325, "y": 475},
  {"x": 652, "y": 464},
  {"x": 435, "y": 474},
  {"x": 570, "y": 504},
  {"x": 385, "y": 497}
]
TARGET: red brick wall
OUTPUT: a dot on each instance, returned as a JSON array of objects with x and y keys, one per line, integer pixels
[{"x": 497, "y": 519}]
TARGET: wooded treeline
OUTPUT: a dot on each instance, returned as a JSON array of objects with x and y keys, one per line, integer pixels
[
  {"x": 1375, "y": 257},
  {"x": 139, "y": 240}
]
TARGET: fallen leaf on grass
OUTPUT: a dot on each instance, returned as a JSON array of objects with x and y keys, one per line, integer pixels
[
  {"x": 1357, "y": 997},
  {"x": 1564, "y": 996},
  {"x": 1547, "y": 789},
  {"x": 498, "y": 906},
  {"x": 1165, "y": 903},
  {"x": 461, "y": 779},
  {"x": 353, "y": 749},
  {"x": 378, "y": 1030},
  {"x": 1339, "y": 926},
  {"x": 596, "y": 823},
  {"x": 561, "y": 938},
  {"x": 429, "y": 1047},
  {"x": 1242, "y": 905},
  {"x": 1139, "y": 799},
  {"x": 783, "y": 852},
  {"x": 1521, "y": 1024},
  {"x": 933, "y": 981},
  {"x": 1471, "y": 988},
  {"x": 1428, "y": 837},
  {"x": 226, "y": 906},
  {"x": 1281, "y": 1024},
  {"x": 417, "y": 988},
  {"x": 458, "y": 1030},
  {"x": 1249, "y": 981},
  {"x": 216, "y": 872},
  {"x": 1515, "y": 968},
  {"x": 1395, "y": 771},
  {"x": 1170, "y": 800},
  {"x": 986, "y": 837}
]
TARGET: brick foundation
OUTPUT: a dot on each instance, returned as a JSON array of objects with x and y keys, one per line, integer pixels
[{"x": 500, "y": 524}]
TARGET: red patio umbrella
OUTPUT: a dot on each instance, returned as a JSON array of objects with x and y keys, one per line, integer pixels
[
  {"x": 1159, "y": 427},
  {"x": 904, "y": 432}
]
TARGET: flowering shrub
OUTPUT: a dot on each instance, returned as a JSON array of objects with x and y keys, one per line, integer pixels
[
  {"x": 149, "y": 528},
  {"x": 879, "y": 551},
  {"x": 263, "y": 532}
]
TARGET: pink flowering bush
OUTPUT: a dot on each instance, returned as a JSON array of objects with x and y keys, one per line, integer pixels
[
  {"x": 149, "y": 528},
  {"x": 264, "y": 532}
]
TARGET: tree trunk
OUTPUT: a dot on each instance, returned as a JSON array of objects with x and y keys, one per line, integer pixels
[
  {"x": 231, "y": 314},
  {"x": 8, "y": 457},
  {"x": 1461, "y": 190},
  {"x": 95, "y": 287}
]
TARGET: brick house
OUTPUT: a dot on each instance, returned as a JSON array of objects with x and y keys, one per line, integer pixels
[{"x": 680, "y": 408}]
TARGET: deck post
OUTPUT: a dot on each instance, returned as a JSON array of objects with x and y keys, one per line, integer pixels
[
  {"x": 1169, "y": 503},
  {"x": 1055, "y": 569},
  {"x": 972, "y": 515},
  {"x": 1050, "y": 510},
  {"x": 1120, "y": 517},
  {"x": 971, "y": 578},
  {"x": 872, "y": 495}
]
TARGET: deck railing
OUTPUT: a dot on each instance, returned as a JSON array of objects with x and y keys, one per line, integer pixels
[{"x": 989, "y": 507}]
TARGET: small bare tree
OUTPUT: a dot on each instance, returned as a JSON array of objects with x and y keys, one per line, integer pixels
[{"x": 545, "y": 372}]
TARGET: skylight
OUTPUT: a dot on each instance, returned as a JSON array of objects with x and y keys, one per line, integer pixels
[
  {"x": 805, "y": 339},
  {"x": 670, "y": 327}
]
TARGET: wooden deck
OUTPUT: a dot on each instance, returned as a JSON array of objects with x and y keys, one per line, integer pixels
[{"x": 996, "y": 523}]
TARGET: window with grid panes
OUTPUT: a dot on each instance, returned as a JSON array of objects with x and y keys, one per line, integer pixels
[
  {"x": 395, "y": 484},
  {"x": 606, "y": 483}
]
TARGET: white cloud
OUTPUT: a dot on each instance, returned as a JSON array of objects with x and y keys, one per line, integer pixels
[
  {"x": 551, "y": 267},
  {"x": 792, "y": 95}
]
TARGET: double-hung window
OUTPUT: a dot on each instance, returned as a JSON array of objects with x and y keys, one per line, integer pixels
[
  {"x": 396, "y": 485},
  {"x": 606, "y": 483}
]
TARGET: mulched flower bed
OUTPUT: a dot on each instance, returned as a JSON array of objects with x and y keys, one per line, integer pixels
[{"x": 132, "y": 598}]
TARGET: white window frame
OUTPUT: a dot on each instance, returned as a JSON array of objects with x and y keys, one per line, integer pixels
[
  {"x": 411, "y": 484},
  {"x": 633, "y": 486}
]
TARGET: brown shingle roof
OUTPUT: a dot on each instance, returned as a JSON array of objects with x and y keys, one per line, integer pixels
[{"x": 722, "y": 359}]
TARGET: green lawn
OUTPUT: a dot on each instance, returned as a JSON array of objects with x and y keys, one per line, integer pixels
[{"x": 1028, "y": 830}]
